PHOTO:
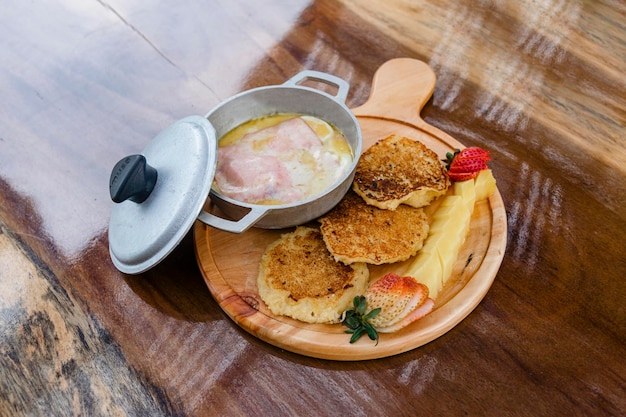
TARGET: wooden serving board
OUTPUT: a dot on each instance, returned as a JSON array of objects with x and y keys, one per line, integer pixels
[{"x": 229, "y": 262}]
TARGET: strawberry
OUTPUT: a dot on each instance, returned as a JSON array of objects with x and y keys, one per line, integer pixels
[
  {"x": 422, "y": 310},
  {"x": 390, "y": 303},
  {"x": 397, "y": 297},
  {"x": 466, "y": 163}
]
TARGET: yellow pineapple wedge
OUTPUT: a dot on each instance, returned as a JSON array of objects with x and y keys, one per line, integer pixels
[
  {"x": 458, "y": 223},
  {"x": 426, "y": 269},
  {"x": 450, "y": 225},
  {"x": 448, "y": 230},
  {"x": 443, "y": 217},
  {"x": 467, "y": 191},
  {"x": 485, "y": 184}
]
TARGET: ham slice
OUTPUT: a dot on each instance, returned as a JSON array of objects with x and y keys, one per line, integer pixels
[
  {"x": 246, "y": 176},
  {"x": 294, "y": 134},
  {"x": 282, "y": 163}
]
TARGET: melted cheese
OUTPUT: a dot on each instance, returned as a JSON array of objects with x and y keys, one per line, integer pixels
[{"x": 281, "y": 159}]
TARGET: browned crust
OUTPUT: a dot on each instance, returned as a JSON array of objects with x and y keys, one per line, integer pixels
[
  {"x": 396, "y": 168},
  {"x": 357, "y": 232},
  {"x": 301, "y": 264}
]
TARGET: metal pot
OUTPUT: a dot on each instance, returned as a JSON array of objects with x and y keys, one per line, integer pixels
[
  {"x": 289, "y": 97},
  {"x": 161, "y": 192}
]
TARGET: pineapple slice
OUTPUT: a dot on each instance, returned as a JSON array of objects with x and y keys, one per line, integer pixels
[
  {"x": 467, "y": 191},
  {"x": 451, "y": 221},
  {"x": 426, "y": 269},
  {"x": 485, "y": 184},
  {"x": 455, "y": 232},
  {"x": 449, "y": 201}
]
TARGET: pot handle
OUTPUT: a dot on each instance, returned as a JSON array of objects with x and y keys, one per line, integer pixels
[
  {"x": 238, "y": 226},
  {"x": 342, "y": 85}
]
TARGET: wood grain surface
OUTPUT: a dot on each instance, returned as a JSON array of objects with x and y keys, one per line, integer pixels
[
  {"x": 540, "y": 83},
  {"x": 230, "y": 262}
]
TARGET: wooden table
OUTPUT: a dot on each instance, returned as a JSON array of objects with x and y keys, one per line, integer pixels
[{"x": 539, "y": 84}]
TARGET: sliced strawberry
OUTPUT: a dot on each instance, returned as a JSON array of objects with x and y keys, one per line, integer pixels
[
  {"x": 474, "y": 152},
  {"x": 465, "y": 164},
  {"x": 468, "y": 165},
  {"x": 422, "y": 310},
  {"x": 454, "y": 176},
  {"x": 396, "y": 296}
]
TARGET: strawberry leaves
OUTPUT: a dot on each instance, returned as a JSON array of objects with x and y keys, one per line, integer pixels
[
  {"x": 357, "y": 321},
  {"x": 466, "y": 163}
]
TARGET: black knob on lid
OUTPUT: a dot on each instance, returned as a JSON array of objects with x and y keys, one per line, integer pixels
[{"x": 132, "y": 179}]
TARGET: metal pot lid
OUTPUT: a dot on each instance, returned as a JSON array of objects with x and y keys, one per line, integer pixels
[{"x": 159, "y": 194}]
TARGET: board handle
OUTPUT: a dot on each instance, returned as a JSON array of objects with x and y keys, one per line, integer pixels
[{"x": 400, "y": 89}]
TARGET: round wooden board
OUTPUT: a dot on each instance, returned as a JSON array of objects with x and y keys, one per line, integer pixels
[{"x": 229, "y": 262}]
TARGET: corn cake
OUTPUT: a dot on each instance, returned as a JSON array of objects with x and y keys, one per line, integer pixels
[
  {"x": 397, "y": 170},
  {"x": 355, "y": 231},
  {"x": 300, "y": 279}
]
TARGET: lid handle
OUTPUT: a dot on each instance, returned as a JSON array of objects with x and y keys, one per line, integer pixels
[{"x": 132, "y": 179}]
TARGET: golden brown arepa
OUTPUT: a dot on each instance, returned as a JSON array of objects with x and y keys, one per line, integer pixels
[
  {"x": 300, "y": 279},
  {"x": 397, "y": 170},
  {"x": 358, "y": 232}
]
